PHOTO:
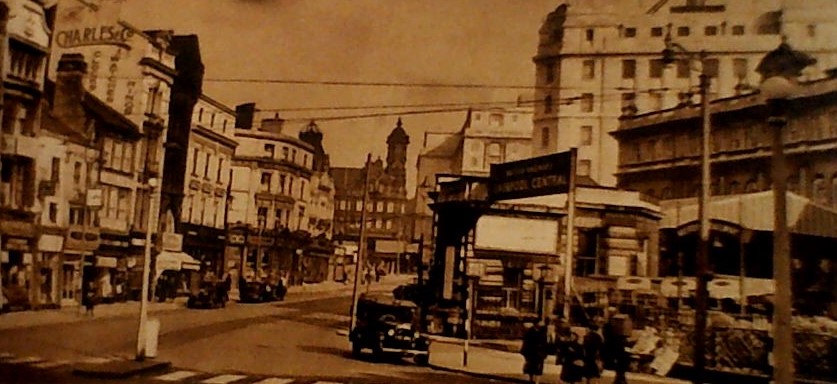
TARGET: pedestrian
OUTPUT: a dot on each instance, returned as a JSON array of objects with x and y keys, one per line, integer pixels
[
  {"x": 534, "y": 351},
  {"x": 572, "y": 358},
  {"x": 593, "y": 344},
  {"x": 616, "y": 333},
  {"x": 88, "y": 298}
]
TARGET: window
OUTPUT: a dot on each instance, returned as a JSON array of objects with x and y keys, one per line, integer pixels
[
  {"x": 739, "y": 68},
  {"x": 710, "y": 67},
  {"x": 586, "y": 256},
  {"x": 187, "y": 208},
  {"x": 281, "y": 183},
  {"x": 53, "y": 213},
  {"x": 655, "y": 68},
  {"x": 683, "y": 31},
  {"x": 269, "y": 150},
  {"x": 657, "y": 31},
  {"x": 219, "y": 170},
  {"x": 358, "y": 205},
  {"x": 545, "y": 137},
  {"x": 389, "y": 224},
  {"x": 586, "y": 102},
  {"x": 379, "y": 223},
  {"x": 493, "y": 154},
  {"x": 293, "y": 155},
  {"x": 738, "y": 30},
  {"x": 277, "y": 219},
  {"x": 285, "y": 153},
  {"x": 305, "y": 159},
  {"x": 302, "y": 189},
  {"x": 549, "y": 72},
  {"x": 588, "y": 69},
  {"x": 628, "y": 103},
  {"x": 586, "y": 135},
  {"x": 206, "y": 165},
  {"x": 261, "y": 216},
  {"x": 656, "y": 101},
  {"x": 290, "y": 185},
  {"x": 195, "y": 156},
  {"x": 77, "y": 173},
  {"x": 710, "y": 30},
  {"x": 583, "y": 167},
  {"x": 628, "y": 69},
  {"x": 630, "y": 32},
  {"x": 683, "y": 69},
  {"x": 390, "y": 207},
  {"x": 496, "y": 119},
  {"x": 379, "y": 207},
  {"x": 265, "y": 182},
  {"x": 212, "y": 120},
  {"x": 76, "y": 216},
  {"x": 200, "y": 115},
  {"x": 56, "y": 169},
  {"x": 547, "y": 104},
  {"x": 588, "y": 35},
  {"x": 819, "y": 193}
]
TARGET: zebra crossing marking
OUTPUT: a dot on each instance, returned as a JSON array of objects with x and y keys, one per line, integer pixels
[
  {"x": 176, "y": 376},
  {"x": 25, "y": 360},
  {"x": 275, "y": 380},
  {"x": 51, "y": 364},
  {"x": 223, "y": 379},
  {"x": 95, "y": 360}
]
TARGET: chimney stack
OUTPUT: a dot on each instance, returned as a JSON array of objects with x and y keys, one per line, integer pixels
[
  {"x": 273, "y": 125},
  {"x": 69, "y": 89},
  {"x": 244, "y": 115}
]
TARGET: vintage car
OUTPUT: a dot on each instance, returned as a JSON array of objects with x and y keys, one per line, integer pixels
[
  {"x": 210, "y": 294},
  {"x": 386, "y": 325}
]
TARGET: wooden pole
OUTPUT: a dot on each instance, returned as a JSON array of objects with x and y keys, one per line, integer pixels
[{"x": 361, "y": 251}]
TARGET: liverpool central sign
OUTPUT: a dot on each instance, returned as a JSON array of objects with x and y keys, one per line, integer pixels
[{"x": 537, "y": 176}]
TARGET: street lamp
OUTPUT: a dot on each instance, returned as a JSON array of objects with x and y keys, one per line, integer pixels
[
  {"x": 779, "y": 69},
  {"x": 151, "y": 223},
  {"x": 543, "y": 311},
  {"x": 703, "y": 276}
]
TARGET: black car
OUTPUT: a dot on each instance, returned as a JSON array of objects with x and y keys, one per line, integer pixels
[
  {"x": 386, "y": 325},
  {"x": 208, "y": 295}
]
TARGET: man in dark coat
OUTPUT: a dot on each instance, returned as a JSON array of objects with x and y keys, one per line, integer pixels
[{"x": 534, "y": 351}]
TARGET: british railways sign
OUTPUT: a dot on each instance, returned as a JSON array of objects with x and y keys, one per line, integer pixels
[{"x": 537, "y": 176}]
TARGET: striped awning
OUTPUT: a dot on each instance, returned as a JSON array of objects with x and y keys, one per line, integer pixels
[{"x": 754, "y": 211}]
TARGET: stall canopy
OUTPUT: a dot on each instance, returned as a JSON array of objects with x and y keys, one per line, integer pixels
[
  {"x": 754, "y": 211},
  {"x": 176, "y": 261}
]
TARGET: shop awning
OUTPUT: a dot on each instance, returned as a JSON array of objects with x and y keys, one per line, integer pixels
[
  {"x": 754, "y": 211},
  {"x": 176, "y": 261}
]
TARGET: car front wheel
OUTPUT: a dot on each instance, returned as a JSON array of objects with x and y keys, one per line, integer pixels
[
  {"x": 356, "y": 349},
  {"x": 422, "y": 360}
]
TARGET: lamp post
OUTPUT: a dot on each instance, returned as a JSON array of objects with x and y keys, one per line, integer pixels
[
  {"x": 702, "y": 273},
  {"x": 151, "y": 223},
  {"x": 779, "y": 69},
  {"x": 361, "y": 249}
]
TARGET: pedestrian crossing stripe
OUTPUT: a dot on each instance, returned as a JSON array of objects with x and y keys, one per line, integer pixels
[
  {"x": 176, "y": 376},
  {"x": 25, "y": 360},
  {"x": 51, "y": 364},
  {"x": 223, "y": 379},
  {"x": 96, "y": 360},
  {"x": 275, "y": 380}
]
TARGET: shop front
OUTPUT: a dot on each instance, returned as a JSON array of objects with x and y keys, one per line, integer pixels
[
  {"x": 16, "y": 264},
  {"x": 49, "y": 264},
  {"x": 205, "y": 244}
]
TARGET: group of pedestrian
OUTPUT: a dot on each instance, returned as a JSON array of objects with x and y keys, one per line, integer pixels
[{"x": 582, "y": 359}]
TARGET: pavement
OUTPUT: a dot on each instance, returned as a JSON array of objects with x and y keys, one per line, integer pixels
[{"x": 499, "y": 360}]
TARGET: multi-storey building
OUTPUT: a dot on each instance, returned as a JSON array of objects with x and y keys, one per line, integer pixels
[
  {"x": 488, "y": 136},
  {"x": 270, "y": 189},
  {"x": 24, "y": 54},
  {"x": 598, "y": 60},
  {"x": 130, "y": 72},
  {"x": 386, "y": 219},
  {"x": 318, "y": 255},
  {"x": 660, "y": 156}
]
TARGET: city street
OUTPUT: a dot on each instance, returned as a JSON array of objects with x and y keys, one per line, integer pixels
[{"x": 290, "y": 342}]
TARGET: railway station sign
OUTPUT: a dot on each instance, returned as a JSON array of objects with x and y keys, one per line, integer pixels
[{"x": 537, "y": 176}]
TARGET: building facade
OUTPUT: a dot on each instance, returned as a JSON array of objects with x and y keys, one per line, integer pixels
[
  {"x": 319, "y": 256},
  {"x": 599, "y": 60},
  {"x": 270, "y": 192},
  {"x": 386, "y": 219},
  {"x": 25, "y": 50}
]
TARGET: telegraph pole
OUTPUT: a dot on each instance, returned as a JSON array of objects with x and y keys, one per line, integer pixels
[{"x": 361, "y": 249}]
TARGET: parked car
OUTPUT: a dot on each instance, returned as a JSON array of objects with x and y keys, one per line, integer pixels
[
  {"x": 210, "y": 294},
  {"x": 386, "y": 325}
]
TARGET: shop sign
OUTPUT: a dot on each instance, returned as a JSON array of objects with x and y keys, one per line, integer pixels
[
  {"x": 51, "y": 243},
  {"x": 106, "y": 262},
  {"x": 537, "y": 176},
  {"x": 172, "y": 242},
  {"x": 98, "y": 35},
  {"x": 236, "y": 238}
]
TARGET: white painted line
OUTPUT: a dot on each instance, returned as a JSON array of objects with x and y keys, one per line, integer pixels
[
  {"x": 176, "y": 376},
  {"x": 275, "y": 380},
  {"x": 25, "y": 360},
  {"x": 223, "y": 379},
  {"x": 6, "y": 355},
  {"x": 95, "y": 360},
  {"x": 51, "y": 364}
]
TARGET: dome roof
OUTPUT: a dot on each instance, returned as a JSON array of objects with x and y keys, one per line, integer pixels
[{"x": 398, "y": 134}]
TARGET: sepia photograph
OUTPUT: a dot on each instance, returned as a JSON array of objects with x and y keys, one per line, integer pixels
[{"x": 418, "y": 191}]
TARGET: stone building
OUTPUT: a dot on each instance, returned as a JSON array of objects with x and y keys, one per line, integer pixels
[
  {"x": 270, "y": 191},
  {"x": 598, "y": 60},
  {"x": 318, "y": 255},
  {"x": 386, "y": 207}
]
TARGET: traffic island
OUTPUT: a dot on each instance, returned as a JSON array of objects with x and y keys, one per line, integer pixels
[{"x": 119, "y": 369}]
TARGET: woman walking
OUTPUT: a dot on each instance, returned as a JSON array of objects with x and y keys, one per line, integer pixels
[
  {"x": 88, "y": 298},
  {"x": 534, "y": 351},
  {"x": 593, "y": 344},
  {"x": 572, "y": 359}
]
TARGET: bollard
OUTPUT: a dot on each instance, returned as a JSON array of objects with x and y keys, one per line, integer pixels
[{"x": 152, "y": 332}]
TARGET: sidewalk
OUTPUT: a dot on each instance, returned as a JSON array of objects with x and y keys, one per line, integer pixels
[
  {"x": 446, "y": 354},
  {"x": 34, "y": 318}
]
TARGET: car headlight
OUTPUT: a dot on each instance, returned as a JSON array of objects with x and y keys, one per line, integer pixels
[{"x": 391, "y": 332}]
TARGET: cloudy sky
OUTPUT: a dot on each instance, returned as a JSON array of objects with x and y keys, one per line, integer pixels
[{"x": 381, "y": 41}]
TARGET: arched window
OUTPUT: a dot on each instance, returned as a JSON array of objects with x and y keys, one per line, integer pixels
[{"x": 493, "y": 154}]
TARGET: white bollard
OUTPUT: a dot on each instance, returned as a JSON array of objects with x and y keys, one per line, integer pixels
[{"x": 152, "y": 331}]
